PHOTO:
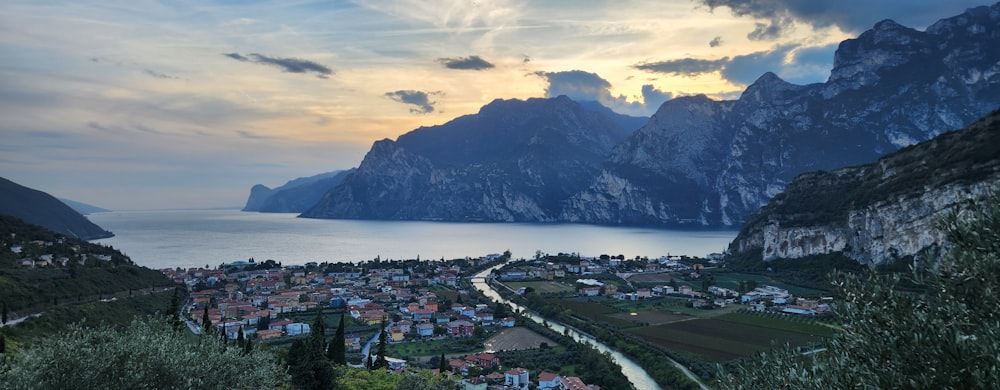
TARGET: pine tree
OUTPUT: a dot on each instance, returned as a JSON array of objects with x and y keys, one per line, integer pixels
[
  {"x": 240, "y": 340},
  {"x": 206, "y": 323},
  {"x": 383, "y": 342},
  {"x": 4, "y": 319},
  {"x": 3, "y": 344},
  {"x": 174, "y": 311},
  {"x": 443, "y": 364},
  {"x": 248, "y": 346},
  {"x": 337, "y": 351}
]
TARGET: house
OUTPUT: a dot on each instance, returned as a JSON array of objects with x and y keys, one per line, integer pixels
[
  {"x": 508, "y": 322},
  {"x": 459, "y": 366},
  {"x": 572, "y": 383},
  {"x": 484, "y": 360},
  {"x": 517, "y": 377},
  {"x": 460, "y": 328},
  {"x": 425, "y": 330},
  {"x": 591, "y": 291},
  {"x": 396, "y": 334},
  {"x": 268, "y": 334},
  {"x": 484, "y": 318},
  {"x": 423, "y": 314},
  {"x": 473, "y": 384},
  {"x": 548, "y": 380},
  {"x": 297, "y": 328}
]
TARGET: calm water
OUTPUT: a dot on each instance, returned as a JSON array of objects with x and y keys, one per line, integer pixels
[{"x": 191, "y": 238}]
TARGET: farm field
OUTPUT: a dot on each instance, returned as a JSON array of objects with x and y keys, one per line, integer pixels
[
  {"x": 543, "y": 286},
  {"x": 661, "y": 278},
  {"x": 732, "y": 280},
  {"x": 732, "y": 335},
  {"x": 513, "y": 339},
  {"x": 594, "y": 311}
]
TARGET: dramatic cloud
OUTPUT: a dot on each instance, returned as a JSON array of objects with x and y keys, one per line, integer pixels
[
  {"x": 585, "y": 86},
  {"x": 796, "y": 64},
  {"x": 420, "y": 99},
  {"x": 291, "y": 65},
  {"x": 715, "y": 42},
  {"x": 772, "y": 30},
  {"x": 852, "y": 16},
  {"x": 467, "y": 63},
  {"x": 684, "y": 66}
]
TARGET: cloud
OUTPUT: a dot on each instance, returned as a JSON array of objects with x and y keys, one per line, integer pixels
[
  {"x": 794, "y": 63},
  {"x": 772, "y": 30},
  {"x": 159, "y": 75},
  {"x": 420, "y": 99},
  {"x": 291, "y": 65},
  {"x": 467, "y": 63},
  {"x": 852, "y": 16},
  {"x": 715, "y": 42},
  {"x": 585, "y": 86},
  {"x": 684, "y": 67}
]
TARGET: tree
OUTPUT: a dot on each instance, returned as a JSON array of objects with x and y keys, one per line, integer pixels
[
  {"x": 478, "y": 332},
  {"x": 443, "y": 364},
  {"x": 146, "y": 354},
  {"x": 380, "y": 361},
  {"x": 337, "y": 351},
  {"x": 206, "y": 323},
  {"x": 4, "y": 319},
  {"x": 263, "y": 323},
  {"x": 946, "y": 336},
  {"x": 173, "y": 313}
]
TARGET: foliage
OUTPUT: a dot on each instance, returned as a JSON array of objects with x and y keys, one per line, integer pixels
[
  {"x": 147, "y": 354},
  {"x": 84, "y": 278},
  {"x": 337, "y": 351},
  {"x": 947, "y": 336},
  {"x": 120, "y": 313},
  {"x": 354, "y": 379}
]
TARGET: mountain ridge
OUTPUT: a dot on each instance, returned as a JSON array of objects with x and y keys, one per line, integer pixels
[
  {"x": 879, "y": 212},
  {"x": 40, "y": 208}
]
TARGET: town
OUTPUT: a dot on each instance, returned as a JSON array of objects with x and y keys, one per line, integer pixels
[{"x": 432, "y": 318}]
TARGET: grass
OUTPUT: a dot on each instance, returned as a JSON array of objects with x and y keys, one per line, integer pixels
[{"x": 543, "y": 287}]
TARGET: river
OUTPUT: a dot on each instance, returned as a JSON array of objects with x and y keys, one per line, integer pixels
[{"x": 639, "y": 378}]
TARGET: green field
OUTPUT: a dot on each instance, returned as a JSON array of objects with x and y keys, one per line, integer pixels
[
  {"x": 733, "y": 335},
  {"x": 543, "y": 286}
]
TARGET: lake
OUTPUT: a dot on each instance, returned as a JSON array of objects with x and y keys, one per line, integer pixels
[{"x": 196, "y": 238}]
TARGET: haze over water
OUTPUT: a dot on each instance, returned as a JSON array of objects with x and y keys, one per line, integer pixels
[{"x": 196, "y": 238}]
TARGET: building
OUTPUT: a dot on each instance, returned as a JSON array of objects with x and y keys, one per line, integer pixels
[
  {"x": 572, "y": 383},
  {"x": 473, "y": 384},
  {"x": 460, "y": 328},
  {"x": 548, "y": 380},
  {"x": 517, "y": 377}
]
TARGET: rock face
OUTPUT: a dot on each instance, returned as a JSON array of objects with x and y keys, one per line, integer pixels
[
  {"x": 296, "y": 196},
  {"x": 704, "y": 162},
  {"x": 513, "y": 161},
  {"x": 39, "y": 208},
  {"x": 879, "y": 212}
]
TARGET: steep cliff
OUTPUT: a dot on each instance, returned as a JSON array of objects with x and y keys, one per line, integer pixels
[
  {"x": 296, "y": 195},
  {"x": 879, "y": 212},
  {"x": 513, "y": 161},
  {"x": 706, "y": 162}
]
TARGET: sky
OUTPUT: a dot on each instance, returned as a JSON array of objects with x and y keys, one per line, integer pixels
[{"x": 140, "y": 104}]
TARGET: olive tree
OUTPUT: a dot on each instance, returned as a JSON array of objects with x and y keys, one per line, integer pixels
[
  {"x": 941, "y": 332},
  {"x": 148, "y": 354}
]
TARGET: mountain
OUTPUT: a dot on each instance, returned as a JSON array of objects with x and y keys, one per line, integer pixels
[
  {"x": 697, "y": 161},
  {"x": 39, "y": 208},
  {"x": 83, "y": 208},
  {"x": 627, "y": 122},
  {"x": 512, "y": 161},
  {"x": 296, "y": 195},
  {"x": 879, "y": 212},
  {"x": 705, "y": 162}
]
